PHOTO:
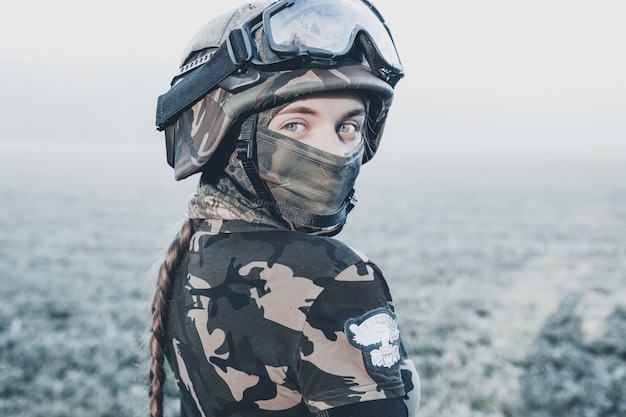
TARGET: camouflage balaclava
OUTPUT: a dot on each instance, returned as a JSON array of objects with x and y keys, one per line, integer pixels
[
  {"x": 309, "y": 185},
  {"x": 311, "y": 190}
]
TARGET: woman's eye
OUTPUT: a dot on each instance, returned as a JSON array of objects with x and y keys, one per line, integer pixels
[
  {"x": 292, "y": 126},
  {"x": 350, "y": 132},
  {"x": 347, "y": 128}
]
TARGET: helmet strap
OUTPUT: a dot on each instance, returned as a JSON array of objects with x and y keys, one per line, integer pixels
[{"x": 246, "y": 153}]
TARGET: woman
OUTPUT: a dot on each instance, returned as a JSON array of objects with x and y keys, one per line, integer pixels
[{"x": 258, "y": 310}]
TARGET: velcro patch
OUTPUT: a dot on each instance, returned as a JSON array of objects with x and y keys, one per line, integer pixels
[{"x": 376, "y": 334}]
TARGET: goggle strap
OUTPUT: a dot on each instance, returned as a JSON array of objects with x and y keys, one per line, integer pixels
[
  {"x": 239, "y": 47},
  {"x": 377, "y": 65}
]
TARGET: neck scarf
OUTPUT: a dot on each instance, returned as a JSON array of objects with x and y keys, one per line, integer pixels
[{"x": 229, "y": 195}]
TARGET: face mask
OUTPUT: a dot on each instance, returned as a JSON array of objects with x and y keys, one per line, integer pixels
[{"x": 308, "y": 184}]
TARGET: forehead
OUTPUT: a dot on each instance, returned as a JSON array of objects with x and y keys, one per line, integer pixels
[{"x": 349, "y": 99}]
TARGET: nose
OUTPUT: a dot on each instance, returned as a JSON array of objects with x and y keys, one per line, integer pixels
[{"x": 328, "y": 140}]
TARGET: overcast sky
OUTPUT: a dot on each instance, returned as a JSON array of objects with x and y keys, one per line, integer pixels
[{"x": 491, "y": 72}]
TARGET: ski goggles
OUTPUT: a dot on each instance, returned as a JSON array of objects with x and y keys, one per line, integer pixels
[
  {"x": 295, "y": 34},
  {"x": 325, "y": 31}
]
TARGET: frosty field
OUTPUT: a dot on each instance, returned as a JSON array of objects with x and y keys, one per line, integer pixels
[{"x": 509, "y": 277}]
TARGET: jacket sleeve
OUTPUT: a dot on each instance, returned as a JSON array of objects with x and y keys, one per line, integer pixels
[
  {"x": 406, "y": 406},
  {"x": 351, "y": 350}
]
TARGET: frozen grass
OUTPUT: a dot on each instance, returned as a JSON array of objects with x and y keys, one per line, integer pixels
[{"x": 509, "y": 279}]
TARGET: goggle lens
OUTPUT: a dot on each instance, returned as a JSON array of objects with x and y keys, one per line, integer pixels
[{"x": 325, "y": 26}]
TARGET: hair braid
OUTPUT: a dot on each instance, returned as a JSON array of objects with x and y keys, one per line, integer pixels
[{"x": 159, "y": 314}]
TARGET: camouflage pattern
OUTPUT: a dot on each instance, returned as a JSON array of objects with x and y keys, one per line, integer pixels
[
  {"x": 279, "y": 323},
  {"x": 199, "y": 130},
  {"x": 304, "y": 177}
]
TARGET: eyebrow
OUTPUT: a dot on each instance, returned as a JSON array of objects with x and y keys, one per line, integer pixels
[
  {"x": 308, "y": 110},
  {"x": 356, "y": 112}
]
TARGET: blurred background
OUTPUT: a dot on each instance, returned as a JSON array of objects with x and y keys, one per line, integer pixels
[
  {"x": 485, "y": 76},
  {"x": 496, "y": 205}
]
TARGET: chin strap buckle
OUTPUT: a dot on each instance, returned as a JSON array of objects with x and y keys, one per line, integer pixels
[
  {"x": 245, "y": 142},
  {"x": 246, "y": 154},
  {"x": 351, "y": 201}
]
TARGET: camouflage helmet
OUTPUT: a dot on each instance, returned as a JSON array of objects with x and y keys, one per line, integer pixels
[{"x": 195, "y": 130}]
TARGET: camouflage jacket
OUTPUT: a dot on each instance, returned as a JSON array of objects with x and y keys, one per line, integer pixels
[{"x": 267, "y": 322}]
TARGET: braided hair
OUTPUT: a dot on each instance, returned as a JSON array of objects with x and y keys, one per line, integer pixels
[{"x": 160, "y": 311}]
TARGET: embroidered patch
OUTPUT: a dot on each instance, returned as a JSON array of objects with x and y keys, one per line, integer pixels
[{"x": 376, "y": 334}]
